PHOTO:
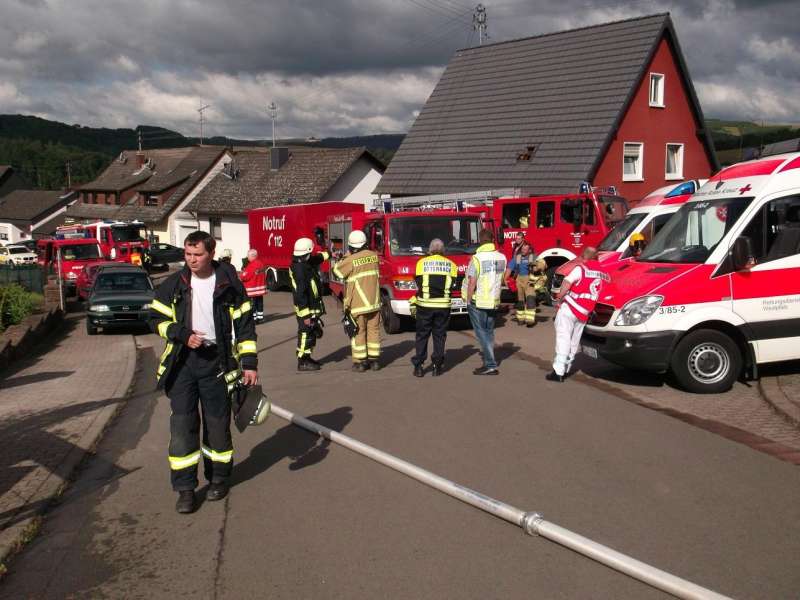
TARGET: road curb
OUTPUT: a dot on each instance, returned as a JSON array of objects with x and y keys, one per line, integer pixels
[
  {"x": 772, "y": 393},
  {"x": 16, "y": 536}
]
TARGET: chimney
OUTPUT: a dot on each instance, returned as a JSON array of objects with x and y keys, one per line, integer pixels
[
  {"x": 139, "y": 160},
  {"x": 278, "y": 158}
]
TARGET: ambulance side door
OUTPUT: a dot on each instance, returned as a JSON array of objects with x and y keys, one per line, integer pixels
[{"x": 767, "y": 293}]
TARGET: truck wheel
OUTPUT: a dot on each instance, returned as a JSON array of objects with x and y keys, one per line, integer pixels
[
  {"x": 272, "y": 281},
  {"x": 90, "y": 329},
  {"x": 706, "y": 361},
  {"x": 391, "y": 321}
]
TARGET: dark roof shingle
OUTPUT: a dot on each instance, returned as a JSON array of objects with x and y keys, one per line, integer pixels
[{"x": 30, "y": 205}]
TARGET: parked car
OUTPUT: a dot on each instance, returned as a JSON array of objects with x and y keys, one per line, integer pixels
[
  {"x": 163, "y": 254},
  {"x": 121, "y": 295},
  {"x": 17, "y": 254},
  {"x": 29, "y": 244},
  {"x": 86, "y": 277}
]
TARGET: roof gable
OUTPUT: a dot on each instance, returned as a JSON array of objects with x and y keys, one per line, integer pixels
[
  {"x": 30, "y": 205},
  {"x": 534, "y": 113}
]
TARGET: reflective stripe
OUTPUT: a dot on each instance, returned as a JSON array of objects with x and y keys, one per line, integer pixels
[
  {"x": 231, "y": 376},
  {"x": 243, "y": 309},
  {"x": 314, "y": 289},
  {"x": 256, "y": 291},
  {"x": 223, "y": 457},
  {"x": 373, "y": 345},
  {"x": 359, "y": 351},
  {"x": 364, "y": 309},
  {"x": 176, "y": 463},
  {"x": 165, "y": 353},
  {"x": 247, "y": 347},
  {"x": 301, "y": 349},
  {"x": 162, "y": 308},
  {"x": 302, "y": 313},
  {"x": 370, "y": 273},
  {"x": 574, "y": 305},
  {"x": 361, "y": 294},
  {"x": 163, "y": 327},
  {"x": 337, "y": 272}
]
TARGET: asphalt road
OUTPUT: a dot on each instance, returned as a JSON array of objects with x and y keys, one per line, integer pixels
[{"x": 308, "y": 519}]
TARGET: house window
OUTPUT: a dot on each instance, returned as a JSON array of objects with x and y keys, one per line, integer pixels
[
  {"x": 632, "y": 161},
  {"x": 673, "y": 167},
  {"x": 151, "y": 201},
  {"x": 657, "y": 90},
  {"x": 215, "y": 225}
]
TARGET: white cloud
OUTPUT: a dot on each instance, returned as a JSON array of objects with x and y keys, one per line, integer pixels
[
  {"x": 29, "y": 42},
  {"x": 782, "y": 50}
]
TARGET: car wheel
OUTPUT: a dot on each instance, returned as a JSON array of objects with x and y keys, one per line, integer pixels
[
  {"x": 706, "y": 361},
  {"x": 391, "y": 321},
  {"x": 90, "y": 329}
]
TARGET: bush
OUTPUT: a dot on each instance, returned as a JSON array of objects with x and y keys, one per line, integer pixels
[{"x": 16, "y": 303}]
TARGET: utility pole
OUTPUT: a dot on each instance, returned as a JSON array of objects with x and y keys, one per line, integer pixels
[
  {"x": 273, "y": 114},
  {"x": 479, "y": 23},
  {"x": 200, "y": 110},
  {"x": 140, "y": 138},
  {"x": 69, "y": 176}
]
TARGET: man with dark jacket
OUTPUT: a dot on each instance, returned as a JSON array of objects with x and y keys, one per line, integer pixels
[
  {"x": 206, "y": 318},
  {"x": 307, "y": 296}
]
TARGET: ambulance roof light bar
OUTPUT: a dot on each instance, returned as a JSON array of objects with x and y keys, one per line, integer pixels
[{"x": 457, "y": 199}]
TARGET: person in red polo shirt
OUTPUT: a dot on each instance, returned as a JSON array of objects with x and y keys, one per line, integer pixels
[{"x": 254, "y": 278}]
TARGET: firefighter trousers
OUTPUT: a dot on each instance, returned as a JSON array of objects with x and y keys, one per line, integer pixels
[
  {"x": 526, "y": 300},
  {"x": 569, "y": 329},
  {"x": 366, "y": 345},
  {"x": 199, "y": 387},
  {"x": 306, "y": 338},
  {"x": 431, "y": 322}
]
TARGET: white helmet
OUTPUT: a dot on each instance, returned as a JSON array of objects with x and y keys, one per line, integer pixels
[
  {"x": 303, "y": 246},
  {"x": 356, "y": 239}
]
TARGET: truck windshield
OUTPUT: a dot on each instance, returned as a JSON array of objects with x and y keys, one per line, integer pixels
[
  {"x": 127, "y": 233},
  {"x": 614, "y": 208},
  {"x": 80, "y": 252},
  {"x": 412, "y": 235},
  {"x": 693, "y": 232},
  {"x": 621, "y": 232}
]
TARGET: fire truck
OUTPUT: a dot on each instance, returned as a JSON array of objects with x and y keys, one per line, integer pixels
[{"x": 118, "y": 240}]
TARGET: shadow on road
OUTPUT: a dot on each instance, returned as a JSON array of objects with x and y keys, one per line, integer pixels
[{"x": 302, "y": 447}]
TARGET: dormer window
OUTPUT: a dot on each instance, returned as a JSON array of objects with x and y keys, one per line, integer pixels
[
  {"x": 657, "y": 90},
  {"x": 528, "y": 153}
]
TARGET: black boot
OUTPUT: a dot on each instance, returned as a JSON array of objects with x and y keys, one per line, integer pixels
[
  {"x": 375, "y": 365},
  {"x": 303, "y": 364},
  {"x": 437, "y": 370},
  {"x": 186, "y": 502},
  {"x": 313, "y": 361},
  {"x": 217, "y": 491},
  {"x": 419, "y": 371},
  {"x": 553, "y": 376},
  {"x": 360, "y": 367}
]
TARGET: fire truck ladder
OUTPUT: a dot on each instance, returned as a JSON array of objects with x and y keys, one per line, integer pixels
[{"x": 457, "y": 200}]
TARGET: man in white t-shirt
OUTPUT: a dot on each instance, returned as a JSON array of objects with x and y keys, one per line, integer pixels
[{"x": 206, "y": 318}]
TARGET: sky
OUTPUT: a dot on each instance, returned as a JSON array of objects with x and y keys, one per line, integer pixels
[{"x": 342, "y": 67}]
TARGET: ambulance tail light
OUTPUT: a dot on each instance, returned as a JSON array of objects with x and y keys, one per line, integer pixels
[{"x": 638, "y": 311}]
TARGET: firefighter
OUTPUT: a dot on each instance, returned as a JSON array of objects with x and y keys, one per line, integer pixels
[
  {"x": 434, "y": 277},
  {"x": 521, "y": 269},
  {"x": 637, "y": 244},
  {"x": 205, "y": 316},
  {"x": 308, "y": 304},
  {"x": 576, "y": 301},
  {"x": 359, "y": 270},
  {"x": 254, "y": 278},
  {"x": 136, "y": 257}
]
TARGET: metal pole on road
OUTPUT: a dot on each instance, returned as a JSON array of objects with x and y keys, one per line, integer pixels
[{"x": 531, "y": 522}]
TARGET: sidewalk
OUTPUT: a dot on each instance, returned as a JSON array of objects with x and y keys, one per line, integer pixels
[
  {"x": 54, "y": 407},
  {"x": 782, "y": 392}
]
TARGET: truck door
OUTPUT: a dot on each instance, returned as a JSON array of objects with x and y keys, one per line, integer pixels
[
  {"x": 592, "y": 221},
  {"x": 544, "y": 235},
  {"x": 571, "y": 224},
  {"x": 767, "y": 294}
]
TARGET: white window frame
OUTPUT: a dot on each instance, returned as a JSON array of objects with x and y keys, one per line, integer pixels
[
  {"x": 639, "y": 175},
  {"x": 658, "y": 102},
  {"x": 212, "y": 221},
  {"x": 679, "y": 173}
]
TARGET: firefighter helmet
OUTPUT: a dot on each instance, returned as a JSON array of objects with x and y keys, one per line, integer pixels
[
  {"x": 356, "y": 239},
  {"x": 636, "y": 237},
  {"x": 303, "y": 246},
  {"x": 541, "y": 265}
]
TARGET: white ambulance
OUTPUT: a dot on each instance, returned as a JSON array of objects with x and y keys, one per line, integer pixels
[{"x": 718, "y": 289}]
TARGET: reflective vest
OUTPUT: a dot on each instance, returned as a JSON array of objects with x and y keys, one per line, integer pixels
[
  {"x": 583, "y": 294},
  {"x": 434, "y": 277},
  {"x": 487, "y": 266},
  {"x": 362, "y": 293},
  {"x": 254, "y": 278}
]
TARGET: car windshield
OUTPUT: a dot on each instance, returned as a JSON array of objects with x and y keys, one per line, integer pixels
[
  {"x": 693, "y": 232},
  {"x": 80, "y": 251},
  {"x": 412, "y": 235},
  {"x": 621, "y": 232},
  {"x": 127, "y": 233},
  {"x": 122, "y": 282},
  {"x": 614, "y": 209},
  {"x": 18, "y": 250}
]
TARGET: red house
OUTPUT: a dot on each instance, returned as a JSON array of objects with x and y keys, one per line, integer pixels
[{"x": 612, "y": 104}]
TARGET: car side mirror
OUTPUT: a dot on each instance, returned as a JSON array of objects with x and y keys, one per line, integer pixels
[{"x": 741, "y": 252}]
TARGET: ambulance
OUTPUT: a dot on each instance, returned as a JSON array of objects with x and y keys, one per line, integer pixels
[{"x": 717, "y": 292}]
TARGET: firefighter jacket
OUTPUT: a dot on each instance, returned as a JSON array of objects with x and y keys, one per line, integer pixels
[
  {"x": 306, "y": 285},
  {"x": 487, "y": 266},
  {"x": 362, "y": 289},
  {"x": 171, "y": 318},
  {"x": 254, "y": 278},
  {"x": 434, "y": 277}
]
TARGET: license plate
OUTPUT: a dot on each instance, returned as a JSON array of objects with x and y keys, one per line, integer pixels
[
  {"x": 457, "y": 303},
  {"x": 589, "y": 351}
]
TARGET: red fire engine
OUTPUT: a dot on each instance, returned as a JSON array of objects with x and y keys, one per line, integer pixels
[{"x": 119, "y": 241}]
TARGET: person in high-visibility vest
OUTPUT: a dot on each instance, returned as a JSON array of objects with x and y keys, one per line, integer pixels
[
  {"x": 254, "y": 278},
  {"x": 362, "y": 300},
  {"x": 481, "y": 289},
  {"x": 434, "y": 277},
  {"x": 576, "y": 300}
]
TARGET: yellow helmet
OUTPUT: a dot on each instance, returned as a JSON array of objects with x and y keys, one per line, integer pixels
[
  {"x": 637, "y": 237},
  {"x": 541, "y": 265}
]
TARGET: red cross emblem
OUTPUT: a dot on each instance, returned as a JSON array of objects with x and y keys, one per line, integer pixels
[{"x": 744, "y": 189}]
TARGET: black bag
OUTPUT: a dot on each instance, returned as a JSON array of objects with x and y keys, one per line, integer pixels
[{"x": 349, "y": 324}]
